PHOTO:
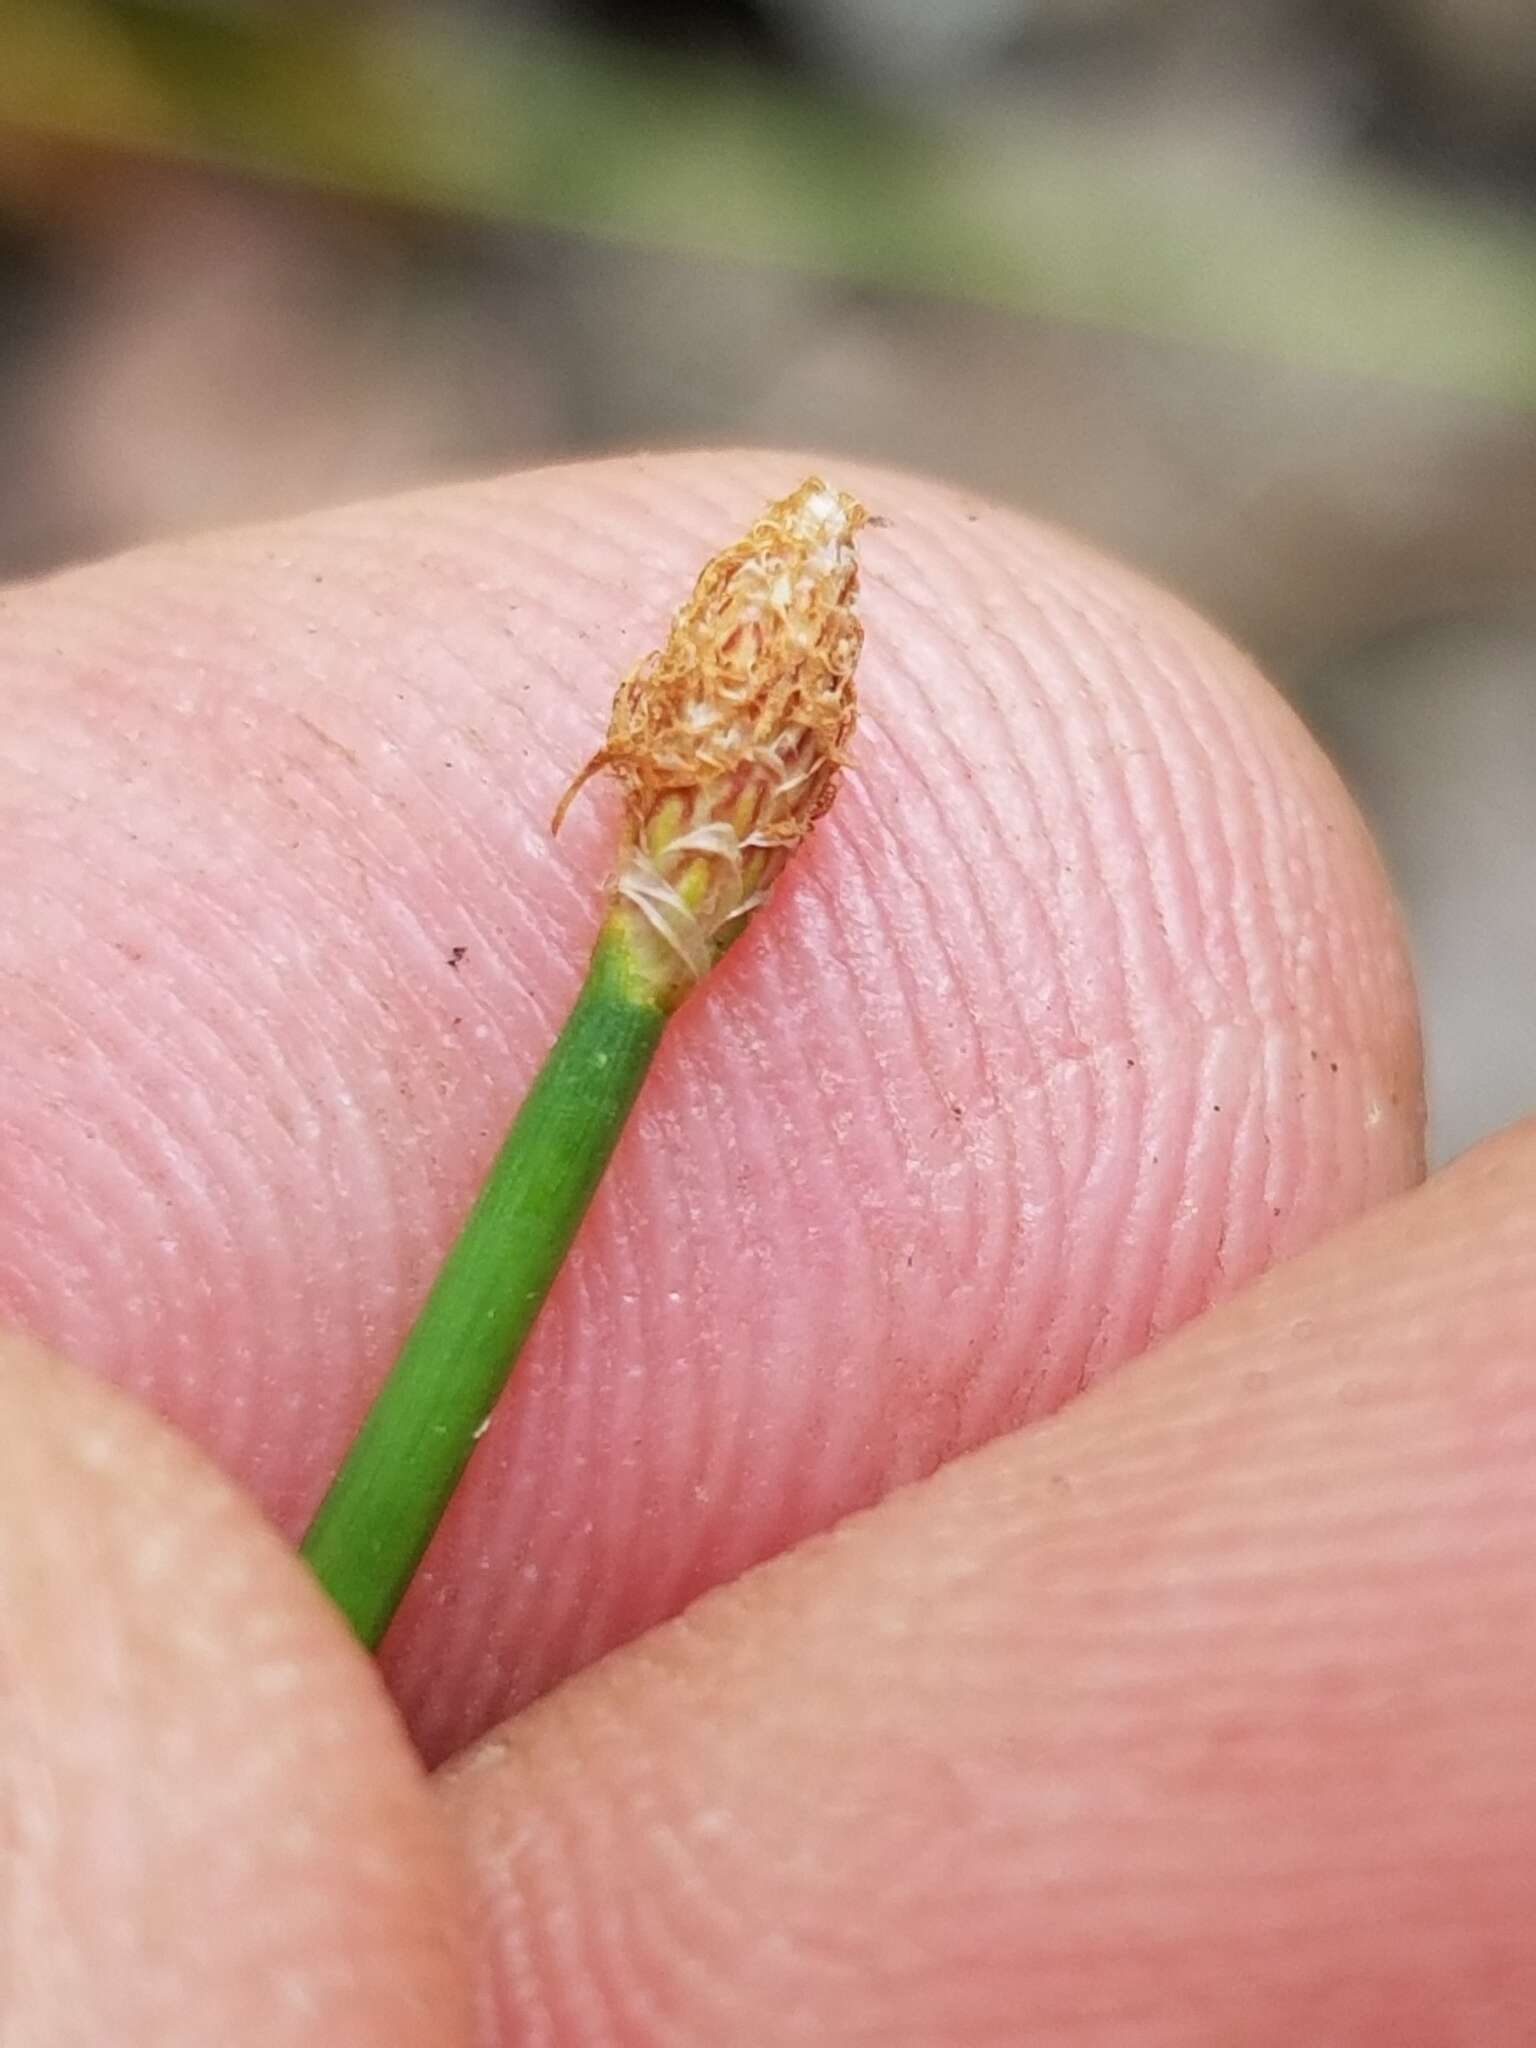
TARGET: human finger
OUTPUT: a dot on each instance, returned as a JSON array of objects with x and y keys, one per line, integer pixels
[
  {"x": 1196, "y": 1717},
  {"x": 1087, "y": 1001},
  {"x": 212, "y": 1826}
]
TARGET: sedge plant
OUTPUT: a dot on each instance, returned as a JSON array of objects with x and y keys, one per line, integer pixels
[{"x": 728, "y": 745}]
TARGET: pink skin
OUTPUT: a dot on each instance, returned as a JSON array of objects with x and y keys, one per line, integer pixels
[
  {"x": 1198, "y": 1717},
  {"x": 212, "y": 1829},
  {"x": 1085, "y": 1004}
]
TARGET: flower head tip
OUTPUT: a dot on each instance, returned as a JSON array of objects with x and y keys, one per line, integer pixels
[{"x": 730, "y": 739}]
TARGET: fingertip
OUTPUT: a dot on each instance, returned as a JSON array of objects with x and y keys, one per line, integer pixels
[
  {"x": 1085, "y": 1003},
  {"x": 1199, "y": 1716},
  {"x": 216, "y": 1830}
]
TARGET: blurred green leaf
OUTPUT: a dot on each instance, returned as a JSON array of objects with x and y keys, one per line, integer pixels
[{"x": 1345, "y": 274}]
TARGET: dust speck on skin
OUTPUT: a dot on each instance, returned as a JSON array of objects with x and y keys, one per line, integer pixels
[
  {"x": 154, "y": 1558},
  {"x": 296, "y": 1994},
  {"x": 489, "y": 1754},
  {"x": 278, "y": 1678},
  {"x": 96, "y": 1450}
]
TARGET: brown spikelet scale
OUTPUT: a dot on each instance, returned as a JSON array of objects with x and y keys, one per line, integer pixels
[{"x": 729, "y": 741}]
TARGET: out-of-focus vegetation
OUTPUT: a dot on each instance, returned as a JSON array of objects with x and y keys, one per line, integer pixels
[
  {"x": 1243, "y": 289},
  {"x": 1353, "y": 274}
]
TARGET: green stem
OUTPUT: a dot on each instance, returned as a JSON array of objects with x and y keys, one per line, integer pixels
[{"x": 379, "y": 1515}]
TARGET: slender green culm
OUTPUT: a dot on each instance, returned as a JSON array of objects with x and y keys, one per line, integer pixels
[
  {"x": 728, "y": 744},
  {"x": 384, "y": 1504}
]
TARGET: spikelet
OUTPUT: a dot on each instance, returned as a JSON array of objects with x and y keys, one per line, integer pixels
[{"x": 729, "y": 741}]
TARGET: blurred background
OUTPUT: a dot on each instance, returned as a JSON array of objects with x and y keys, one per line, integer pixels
[{"x": 1244, "y": 290}]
